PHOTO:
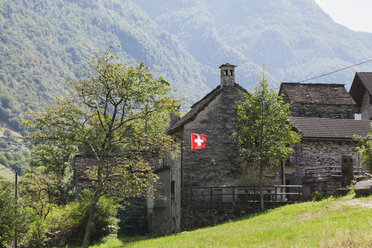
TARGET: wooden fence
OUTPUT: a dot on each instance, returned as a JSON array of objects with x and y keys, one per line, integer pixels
[
  {"x": 328, "y": 173},
  {"x": 242, "y": 194}
]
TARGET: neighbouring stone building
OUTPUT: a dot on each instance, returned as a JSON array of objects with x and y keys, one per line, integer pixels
[
  {"x": 318, "y": 100},
  {"x": 326, "y": 158},
  {"x": 361, "y": 91}
]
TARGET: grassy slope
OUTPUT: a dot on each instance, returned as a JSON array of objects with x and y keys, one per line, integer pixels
[
  {"x": 6, "y": 173},
  {"x": 342, "y": 222}
]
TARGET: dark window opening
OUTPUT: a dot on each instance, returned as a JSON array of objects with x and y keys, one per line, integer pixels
[{"x": 173, "y": 191}]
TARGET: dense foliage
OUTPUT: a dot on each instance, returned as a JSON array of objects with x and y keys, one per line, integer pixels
[
  {"x": 116, "y": 115},
  {"x": 365, "y": 150},
  {"x": 7, "y": 212}
]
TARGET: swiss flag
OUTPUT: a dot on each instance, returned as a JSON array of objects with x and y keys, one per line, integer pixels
[{"x": 198, "y": 141}]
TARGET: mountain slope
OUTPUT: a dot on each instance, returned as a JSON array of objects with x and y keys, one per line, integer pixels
[
  {"x": 294, "y": 39},
  {"x": 43, "y": 43}
]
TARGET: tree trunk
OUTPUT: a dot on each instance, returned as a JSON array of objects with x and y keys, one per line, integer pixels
[
  {"x": 89, "y": 226},
  {"x": 261, "y": 191}
]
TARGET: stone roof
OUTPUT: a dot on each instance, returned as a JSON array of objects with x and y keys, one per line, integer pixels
[
  {"x": 328, "y": 94},
  {"x": 330, "y": 129},
  {"x": 198, "y": 107},
  {"x": 83, "y": 163},
  {"x": 362, "y": 82}
]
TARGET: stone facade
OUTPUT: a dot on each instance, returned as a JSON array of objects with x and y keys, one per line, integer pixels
[
  {"x": 201, "y": 215},
  {"x": 366, "y": 108},
  {"x": 215, "y": 166},
  {"x": 322, "y": 110},
  {"x": 164, "y": 208},
  {"x": 316, "y": 153}
]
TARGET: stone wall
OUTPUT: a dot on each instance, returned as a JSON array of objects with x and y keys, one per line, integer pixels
[
  {"x": 323, "y": 111},
  {"x": 217, "y": 164},
  {"x": 310, "y": 153},
  {"x": 164, "y": 208},
  {"x": 158, "y": 208},
  {"x": 366, "y": 108},
  {"x": 207, "y": 214}
]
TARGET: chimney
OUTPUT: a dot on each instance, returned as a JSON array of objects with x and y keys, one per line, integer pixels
[{"x": 227, "y": 75}]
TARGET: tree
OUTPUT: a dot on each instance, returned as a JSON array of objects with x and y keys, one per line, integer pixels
[
  {"x": 365, "y": 149},
  {"x": 264, "y": 133},
  {"x": 12, "y": 214},
  {"x": 113, "y": 111},
  {"x": 7, "y": 213}
]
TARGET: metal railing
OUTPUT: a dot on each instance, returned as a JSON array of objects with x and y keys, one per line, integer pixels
[{"x": 242, "y": 194}]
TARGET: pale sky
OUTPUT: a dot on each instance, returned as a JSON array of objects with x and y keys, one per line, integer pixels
[{"x": 354, "y": 14}]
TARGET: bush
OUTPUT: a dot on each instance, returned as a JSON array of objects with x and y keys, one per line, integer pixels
[
  {"x": 133, "y": 219},
  {"x": 36, "y": 237},
  {"x": 71, "y": 219}
]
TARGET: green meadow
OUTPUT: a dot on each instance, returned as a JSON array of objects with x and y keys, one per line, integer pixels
[{"x": 332, "y": 222}]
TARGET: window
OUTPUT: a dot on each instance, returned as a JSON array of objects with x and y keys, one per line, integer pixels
[{"x": 173, "y": 190}]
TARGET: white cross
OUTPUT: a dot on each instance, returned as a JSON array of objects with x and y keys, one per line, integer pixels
[{"x": 198, "y": 140}]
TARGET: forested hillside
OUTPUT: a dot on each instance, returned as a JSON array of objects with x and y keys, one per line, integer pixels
[{"x": 44, "y": 42}]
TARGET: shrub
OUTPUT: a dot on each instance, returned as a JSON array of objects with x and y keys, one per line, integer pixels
[
  {"x": 133, "y": 219},
  {"x": 36, "y": 236},
  {"x": 71, "y": 219}
]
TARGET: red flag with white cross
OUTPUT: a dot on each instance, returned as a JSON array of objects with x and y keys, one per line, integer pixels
[{"x": 198, "y": 141}]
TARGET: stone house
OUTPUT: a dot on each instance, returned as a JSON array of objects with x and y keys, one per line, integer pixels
[
  {"x": 361, "y": 91},
  {"x": 326, "y": 158},
  {"x": 206, "y": 186}
]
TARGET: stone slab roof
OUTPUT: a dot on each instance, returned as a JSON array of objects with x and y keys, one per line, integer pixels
[
  {"x": 362, "y": 82},
  {"x": 198, "y": 107},
  {"x": 316, "y": 93},
  {"x": 330, "y": 129},
  {"x": 83, "y": 163}
]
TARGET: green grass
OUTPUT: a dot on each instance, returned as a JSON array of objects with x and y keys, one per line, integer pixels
[{"x": 342, "y": 222}]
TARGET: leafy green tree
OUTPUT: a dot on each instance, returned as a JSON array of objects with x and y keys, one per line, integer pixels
[
  {"x": 38, "y": 190},
  {"x": 7, "y": 213},
  {"x": 113, "y": 111},
  {"x": 365, "y": 150},
  {"x": 12, "y": 214},
  {"x": 264, "y": 133}
]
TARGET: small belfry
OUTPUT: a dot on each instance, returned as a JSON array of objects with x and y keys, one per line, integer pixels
[{"x": 227, "y": 75}]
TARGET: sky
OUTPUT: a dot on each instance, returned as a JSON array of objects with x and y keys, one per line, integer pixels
[{"x": 354, "y": 14}]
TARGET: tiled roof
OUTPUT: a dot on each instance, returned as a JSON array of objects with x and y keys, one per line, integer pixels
[
  {"x": 330, "y": 129},
  {"x": 198, "y": 107},
  {"x": 316, "y": 93},
  {"x": 362, "y": 82}
]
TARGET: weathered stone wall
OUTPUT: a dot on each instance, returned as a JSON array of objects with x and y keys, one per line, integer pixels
[
  {"x": 310, "y": 153},
  {"x": 366, "y": 108},
  {"x": 217, "y": 164},
  {"x": 206, "y": 214},
  {"x": 164, "y": 209},
  {"x": 323, "y": 111},
  {"x": 158, "y": 208}
]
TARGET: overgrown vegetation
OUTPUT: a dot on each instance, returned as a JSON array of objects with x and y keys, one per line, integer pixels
[
  {"x": 365, "y": 150},
  {"x": 117, "y": 115}
]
